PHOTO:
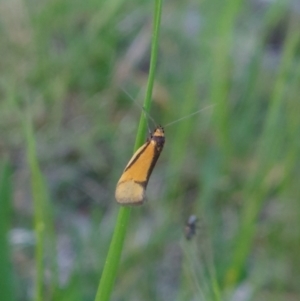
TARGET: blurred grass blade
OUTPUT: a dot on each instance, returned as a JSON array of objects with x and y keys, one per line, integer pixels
[
  {"x": 40, "y": 198},
  {"x": 270, "y": 135},
  {"x": 114, "y": 253},
  {"x": 220, "y": 75},
  {"x": 6, "y": 274},
  {"x": 113, "y": 257},
  {"x": 271, "y": 140}
]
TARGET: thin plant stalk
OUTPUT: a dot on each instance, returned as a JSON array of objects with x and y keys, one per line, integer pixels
[
  {"x": 43, "y": 215},
  {"x": 256, "y": 193},
  {"x": 219, "y": 88},
  {"x": 114, "y": 253},
  {"x": 38, "y": 195},
  {"x": 6, "y": 276}
]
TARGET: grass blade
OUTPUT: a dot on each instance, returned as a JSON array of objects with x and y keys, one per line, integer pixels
[
  {"x": 113, "y": 258},
  {"x": 6, "y": 275},
  {"x": 257, "y": 190},
  {"x": 40, "y": 200}
]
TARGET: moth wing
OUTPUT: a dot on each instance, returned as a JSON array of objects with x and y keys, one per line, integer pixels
[{"x": 130, "y": 193}]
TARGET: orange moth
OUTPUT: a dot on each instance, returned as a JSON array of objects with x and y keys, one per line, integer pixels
[{"x": 132, "y": 185}]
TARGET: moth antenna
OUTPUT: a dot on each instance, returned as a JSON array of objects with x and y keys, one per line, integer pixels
[
  {"x": 148, "y": 116},
  {"x": 188, "y": 116}
]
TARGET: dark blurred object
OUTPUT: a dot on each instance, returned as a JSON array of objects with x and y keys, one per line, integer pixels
[
  {"x": 190, "y": 227},
  {"x": 277, "y": 35}
]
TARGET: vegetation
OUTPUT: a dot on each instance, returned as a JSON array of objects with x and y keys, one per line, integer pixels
[{"x": 68, "y": 128}]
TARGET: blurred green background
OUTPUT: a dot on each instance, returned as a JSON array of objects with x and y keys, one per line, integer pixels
[{"x": 68, "y": 129}]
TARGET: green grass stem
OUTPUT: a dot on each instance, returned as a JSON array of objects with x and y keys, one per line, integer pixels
[
  {"x": 257, "y": 190},
  {"x": 39, "y": 196},
  {"x": 115, "y": 250},
  {"x": 6, "y": 275},
  {"x": 39, "y": 225},
  {"x": 153, "y": 59},
  {"x": 181, "y": 139},
  {"x": 220, "y": 76},
  {"x": 269, "y": 136}
]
